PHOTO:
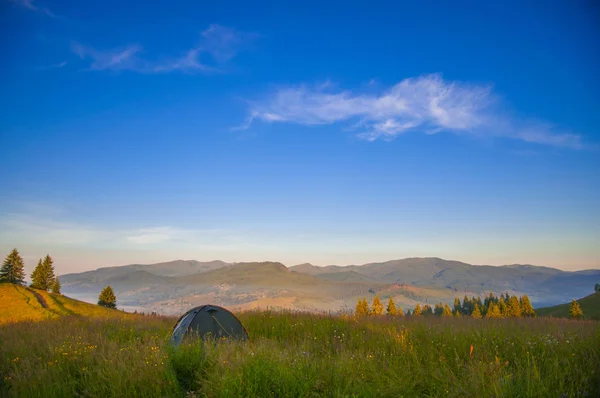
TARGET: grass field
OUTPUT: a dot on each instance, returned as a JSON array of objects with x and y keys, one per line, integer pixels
[{"x": 304, "y": 355}]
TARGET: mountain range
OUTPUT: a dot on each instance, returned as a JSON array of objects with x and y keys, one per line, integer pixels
[{"x": 173, "y": 287}]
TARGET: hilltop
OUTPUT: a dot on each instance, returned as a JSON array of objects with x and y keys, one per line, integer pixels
[
  {"x": 20, "y": 303},
  {"x": 590, "y": 305}
]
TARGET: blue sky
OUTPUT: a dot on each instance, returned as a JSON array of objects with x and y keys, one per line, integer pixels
[{"x": 339, "y": 133}]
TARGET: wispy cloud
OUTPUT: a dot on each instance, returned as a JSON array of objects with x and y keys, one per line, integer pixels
[
  {"x": 29, "y": 4},
  {"x": 428, "y": 104},
  {"x": 53, "y": 66},
  {"x": 217, "y": 46}
]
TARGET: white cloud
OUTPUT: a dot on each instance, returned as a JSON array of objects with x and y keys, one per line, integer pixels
[
  {"x": 217, "y": 46},
  {"x": 29, "y": 4},
  {"x": 427, "y": 104}
]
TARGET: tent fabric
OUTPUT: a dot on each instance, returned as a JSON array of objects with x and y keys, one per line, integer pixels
[{"x": 208, "y": 321}]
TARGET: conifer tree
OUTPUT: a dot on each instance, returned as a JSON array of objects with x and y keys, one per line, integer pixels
[
  {"x": 417, "y": 311},
  {"x": 376, "y": 306},
  {"x": 427, "y": 310},
  {"x": 409, "y": 313},
  {"x": 476, "y": 313},
  {"x": 391, "y": 307},
  {"x": 466, "y": 306},
  {"x": 399, "y": 311},
  {"x": 447, "y": 310},
  {"x": 107, "y": 298},
  {"x": 362, "y": 307},
  {"x": 439, "y": 309},
  {"x": 12, "y": 270},
  {"x": 49, "y": 271},
  {"x": 503, "y": 307},
  {"x": 575, "y": 311},
  {"x": 38, "y": 276},
  {"x": 56, "y": 286},
  {"x": 514, "y": 307},
  {"x": 457, "y": 314},
  {"x": 526, "y": 307},
  {"x": 457, "y": 306},
  {"x": 493, "y": 311}
]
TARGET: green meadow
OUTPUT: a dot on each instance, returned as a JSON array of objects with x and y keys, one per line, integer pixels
[{"x": 303, "y": 355}]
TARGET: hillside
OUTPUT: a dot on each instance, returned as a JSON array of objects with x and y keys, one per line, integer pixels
[
  {"x": 19, "y": 303},
  {"x": 590, "y": 305}
]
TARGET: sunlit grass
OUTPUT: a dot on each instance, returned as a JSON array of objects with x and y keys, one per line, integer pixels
[{"x": 299, "y": 355}]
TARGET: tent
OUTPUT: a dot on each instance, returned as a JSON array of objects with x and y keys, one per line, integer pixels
[{"x": 208, "y": 320}]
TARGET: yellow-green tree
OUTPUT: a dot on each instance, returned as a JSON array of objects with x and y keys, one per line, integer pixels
[
  {"x": 376, "y": 306},
  {"x": 56, "y": 286},
  {"x": 362, "y": 307},
  {"x": 503, "y": 307},
  {"x": 447, "y": 310},
  {"x": 526, "y": 307},
  {"x": 391, "y": 307},
  {"x": 107, "y": 298},
  {"x": 399, "y": 311},
  {"x": 417, "y": 311},
  {"x": 575, "y": 311},
  {"x": 514, "y": 307},
  {"x": 493, "y": 311},
  {"x": 476, "y": 312}
]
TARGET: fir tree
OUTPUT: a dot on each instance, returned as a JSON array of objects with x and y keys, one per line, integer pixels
[
  {"x": 107, "y": 298},
  {"x": 493, "y": 311},
  {"x": 439, "y": 309},
  {"x": 12, "y": 270},
  {"x": 408, "y": 313},
  {"x": 56, "y": 286},
  {"x": 575, "y": 311},
  {"x": 376, "y": 306},
  {"x": 417, "y": 311},
  {"x": 466, "y": 306},
  {"x": 427, "y": 310},
  {"x": 503, "y": 307},
  {"x": 457, "y": 306},
  {"x": 476, "y": 313},
  {"x": 362, "y": 307},
  {"x": 399, "y": 311},
  {"x": 391, "y": 307},
  {"x": 514, "y": 307},
  {"x": 457, "y": 314},
  {"x": 38, "y": 276},
  {"x": 49, "y": 271},
  {"x": 447, "y": 310},
  {"x": 526, "y": 307}
]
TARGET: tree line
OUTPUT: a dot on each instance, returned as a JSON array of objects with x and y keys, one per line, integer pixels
[
  {"x": 502, "y": 306},
  {"x": 43, "y": 277}
]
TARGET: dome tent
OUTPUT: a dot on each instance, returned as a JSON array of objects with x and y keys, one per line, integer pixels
[{"x": 208, "y": 320}]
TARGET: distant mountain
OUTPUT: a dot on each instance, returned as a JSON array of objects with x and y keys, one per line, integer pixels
[
  {"x": 590, "y": 305},
  {"x": 172, "y": 287}
]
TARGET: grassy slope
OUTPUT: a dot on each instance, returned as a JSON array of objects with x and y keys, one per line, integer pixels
[
  {"x": 19, "y": 303},
  {"x": 590, "y": 305}
]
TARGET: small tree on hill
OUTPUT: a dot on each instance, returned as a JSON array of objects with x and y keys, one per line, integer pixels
[
  {"x": 56, "y": 286},
  {"x": 107, "y": 298},
  {"x": 376, "y": 306},
  {"x": 37, "y": 276},
  {"x": 476, "y": 312},
  {"x": 526, "y": 307},
  {"x": 362, "y": 307},
  {"x": 49, "y": 271},
  {"x": 12, "y": 270},
  {"x": 597, "y": 287},
  {"x": 447, "y": 310},
  {"x": 417, "y": 311},
  {"x": 391, "y": 307},
  {"x": 575, "y": 311}
]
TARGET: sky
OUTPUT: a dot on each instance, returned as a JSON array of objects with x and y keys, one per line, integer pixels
[{"x": 322, "y": 132}]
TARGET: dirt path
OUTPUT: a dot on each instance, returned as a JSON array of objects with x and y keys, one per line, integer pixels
[{"x": 39, "y": 298}]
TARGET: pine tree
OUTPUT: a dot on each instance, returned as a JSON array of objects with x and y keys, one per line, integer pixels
[
  {"x": 362, "y": 307},
  {"x": 447, "y": 310},
  {"x": 457, "y": 306},
  {"x": 503, "y": 307},
  {"x": 493, "y": 311},
  {"x": 476, "y": 313},
  {"x": 526, "y": 307},
  {"x": 399, "y": 311},
  {"x": 575, "y": 311},
  {"x": 12, "y": 270},
  {"x": 56, "y": 286},
  {"x": 107, "y": 298},
  {"x": 376, "y": 306},
  {"x": 37, "y": 276},
  {"x": 466, "y": 306},
  {"x": 427, "y": 310},
  {"x": 49, "y": 271},
  {"x": 417, "y": 311},
  {"x": 391, "y": 307},
  {"x": 439, "y": 309},
  {"x": 457, "y": 314},
  {"x": 514, "y": 307}
]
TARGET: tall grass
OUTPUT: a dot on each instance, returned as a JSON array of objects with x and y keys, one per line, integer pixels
[{"x": 304, "y": 355}]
